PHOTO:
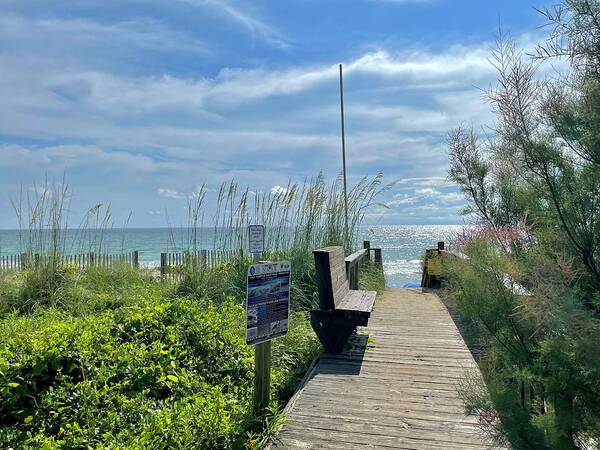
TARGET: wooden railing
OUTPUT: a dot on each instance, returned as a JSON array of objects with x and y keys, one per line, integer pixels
[
  {"x": 356, "y": 259},
  {"x": 81, "y": 261},
  {"x": 174, "y": 264},
  {"x": 433, "y": 276}
]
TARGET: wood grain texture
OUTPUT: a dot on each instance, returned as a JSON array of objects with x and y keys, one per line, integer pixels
[
  {"x": 393, "y": 387},
  {"x": 360, "y": 301}
]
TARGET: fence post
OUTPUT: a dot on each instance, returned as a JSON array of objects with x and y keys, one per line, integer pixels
[
  {"x": 136, "y": 261},
  {"x": 163, "y": 264},
  {"x": 23, "y": 261},
  {"x": 92, "y": 259},
  {"x": 203, "y": 259},
  {"x": 377, "y": 258},
  {"x": 367, "y": 247},
  {"x": 352, "y": 275}
]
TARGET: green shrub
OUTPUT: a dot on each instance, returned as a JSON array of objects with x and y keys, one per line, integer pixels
[
  {"x": 156, "y": 372},
  {"x": 121, "y": 377}
]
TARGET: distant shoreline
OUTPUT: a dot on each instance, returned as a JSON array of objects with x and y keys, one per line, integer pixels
[{"x": 211, "y": 228}]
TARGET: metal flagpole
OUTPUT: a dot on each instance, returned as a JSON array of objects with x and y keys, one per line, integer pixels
[{"x": 344, "y": 156}]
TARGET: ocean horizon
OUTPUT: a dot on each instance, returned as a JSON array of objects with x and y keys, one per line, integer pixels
[{"x": 402, "y": 246}]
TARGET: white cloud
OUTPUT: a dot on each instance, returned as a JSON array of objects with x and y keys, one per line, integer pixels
[
  {"x": 63, "y": 157},
  {"x": 452, "y": 197},
  {"x": 171, "y": 193},
  {"x": 262, "y": 125},
  {"x": 425, "y": 199},
  {"x": 248, "y": 22},
  {"x": 279, "y": 190},
  {"x": 232, "y": 87},
  {"x": 81, "y": 34},
  {"x": 421, "y": 67},
  {"x": 427, "y": 192},
  {"x": 447, "y": 110},
  {"x": 422, "y": 181},
  {"x": 405, "y": 200},
  {"x": 123, "y": 96}
]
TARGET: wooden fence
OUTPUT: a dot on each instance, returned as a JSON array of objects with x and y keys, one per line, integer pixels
[
  {"x": 355, "y": 261},
  {"x": 81, "y": 261},
  {"x": 12, "y": 262},
  {"x": 173, "y": 264}
]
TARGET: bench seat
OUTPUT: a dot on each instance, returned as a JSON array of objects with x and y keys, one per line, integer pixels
[
  {"x": 358, "y": 302},
  {"x": 341, "y": 309}
]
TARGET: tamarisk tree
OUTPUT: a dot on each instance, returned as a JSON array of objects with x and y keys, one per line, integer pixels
[{"x": 530, "y": 288}]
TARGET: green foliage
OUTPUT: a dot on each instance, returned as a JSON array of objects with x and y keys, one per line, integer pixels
[
  {"x": 137, "y": 376},
  {"x": 293, "y": 354},
  {"x": 371, "y": 277},
  {"x": 79, "y": 292},
  {"x": 124, "y": 360},
  {"x": 115, "y": 357},
  {"x": 41, "y": 286},
  {"x": 225, "y": 280},
  {"x": 297, "y": 218},
  {"x": 529, "y": 290}
]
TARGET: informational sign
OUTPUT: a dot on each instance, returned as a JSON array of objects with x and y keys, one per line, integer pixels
[
  {"x": 256, "y": 238},
  {"x": 267, "y": 301}
]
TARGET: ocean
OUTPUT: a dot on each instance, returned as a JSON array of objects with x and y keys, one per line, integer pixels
[{"x": 402, "y": 245}]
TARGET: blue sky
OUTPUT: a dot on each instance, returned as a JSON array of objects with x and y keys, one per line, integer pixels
[{"x": 138, "y": 102}]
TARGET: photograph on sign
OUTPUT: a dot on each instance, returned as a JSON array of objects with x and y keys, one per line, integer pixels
[
  {"x": 267, "y": 301},
  {"x": 256, "y": 238}
]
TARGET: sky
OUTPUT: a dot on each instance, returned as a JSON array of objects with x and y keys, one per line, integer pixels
[{"x": 136, "y": 103}]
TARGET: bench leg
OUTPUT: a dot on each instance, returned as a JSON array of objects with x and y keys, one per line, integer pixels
[{"x": 332, "y": 335}]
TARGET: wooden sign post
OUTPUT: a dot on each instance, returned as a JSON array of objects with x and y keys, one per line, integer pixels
[
  {"x": 262, "y": 366},
  {"x": 267, "y": 312},
  {"x": 262, "y": 377}
]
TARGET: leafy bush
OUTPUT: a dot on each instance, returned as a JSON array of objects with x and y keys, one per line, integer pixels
[
  {"x": 138, "y": 367},
  {"x": 124, "y": 377}
]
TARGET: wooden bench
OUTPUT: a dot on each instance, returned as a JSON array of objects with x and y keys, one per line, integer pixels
[{"x": 341, "y": 309}]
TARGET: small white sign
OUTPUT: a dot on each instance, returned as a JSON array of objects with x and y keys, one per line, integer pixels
[{"x": 256, "y": 238}]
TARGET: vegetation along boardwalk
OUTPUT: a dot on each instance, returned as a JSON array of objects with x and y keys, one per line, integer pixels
[{"x": 393, "y": 386}]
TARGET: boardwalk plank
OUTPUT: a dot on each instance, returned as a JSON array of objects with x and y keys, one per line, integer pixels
[{"x": 394, "y": 386}]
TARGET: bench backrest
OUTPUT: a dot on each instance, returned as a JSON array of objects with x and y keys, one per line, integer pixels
[{"x": 330, "y": 268}]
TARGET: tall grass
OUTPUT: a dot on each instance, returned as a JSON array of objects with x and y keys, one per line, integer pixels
[
  {"x": 42, "y": 219},
  {"x": 298, "y": 217},
  {"x": 42, "y": 214}
]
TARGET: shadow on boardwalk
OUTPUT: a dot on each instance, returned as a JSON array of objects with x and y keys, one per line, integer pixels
[
  {"x": 394, "y": 386},
  {"x": 349, "y": 362}
]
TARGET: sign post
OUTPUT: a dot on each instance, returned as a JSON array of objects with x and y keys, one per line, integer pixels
[{"x": 267, "y": 312}]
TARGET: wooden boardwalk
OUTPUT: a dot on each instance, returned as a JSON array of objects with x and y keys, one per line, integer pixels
[{"x": 394, "y": 386}]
